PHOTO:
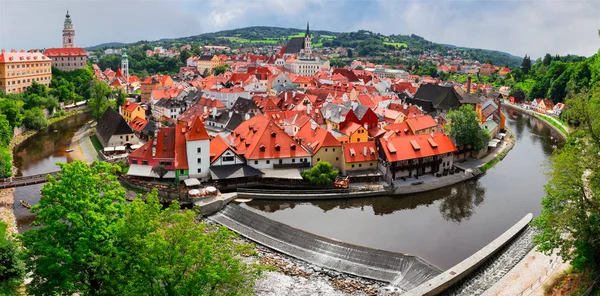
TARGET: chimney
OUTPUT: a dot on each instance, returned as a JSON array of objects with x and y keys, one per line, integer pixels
[
  {"x": 313, "y": 125},
  {"x": 365, "y": 151},
  {"x": 246, "y": 116},
  {"x": 285, "y": 96},
  {"x": 469, "y": 85}
]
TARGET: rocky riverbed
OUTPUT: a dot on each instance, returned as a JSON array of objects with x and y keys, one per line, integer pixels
[{"x": 295, "y": 277}]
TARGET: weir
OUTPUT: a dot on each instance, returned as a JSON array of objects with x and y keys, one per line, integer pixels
[{"x": 405, "y": 271}]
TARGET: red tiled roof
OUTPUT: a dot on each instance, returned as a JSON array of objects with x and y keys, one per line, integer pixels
[
  {"x": 180, "y": 148},
  {"x": 144, "y": 152},
  {"x": 64, "y": 52},
  {"x": 138, "y": 124},
  {"x": 421, "y": 122},
  {"x": 355, "y": 152},
  {"x": 399, "y": 129},
  {"x": 22, "y": 57},
  {"x": 130, "y": 106},
  {"x": 165, "y": 143},
  {"x": 259, "y": 137},
  {"x": 197, "y": 131},
  {"x": 350, "y": 128},
  {"x": 402, "y": 148},
  {"x": 218, "y": 146},
  {"x": 316, "y": 137}
]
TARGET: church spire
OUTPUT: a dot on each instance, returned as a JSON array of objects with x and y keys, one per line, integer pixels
[{"x": 307, "y": 30}]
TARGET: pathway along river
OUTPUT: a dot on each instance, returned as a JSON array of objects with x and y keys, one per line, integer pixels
[
  {"x": 39, "y": 154},
  {"x": 442, "y": 227}
]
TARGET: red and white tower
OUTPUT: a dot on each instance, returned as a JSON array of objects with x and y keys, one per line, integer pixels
[{"x": 68, "y": 33}]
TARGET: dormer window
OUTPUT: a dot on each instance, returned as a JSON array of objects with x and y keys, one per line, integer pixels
[
  {"x": 293, "y": 147},
  {"x": 262, "y": 148},
  {"x": 273, "y": 134},
  {"x": 277, "y": 147}
]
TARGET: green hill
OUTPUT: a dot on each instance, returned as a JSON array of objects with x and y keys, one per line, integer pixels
[{"x": 364, "y": 43}]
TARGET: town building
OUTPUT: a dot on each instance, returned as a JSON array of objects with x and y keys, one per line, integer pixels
[
  {"x": 415, "y": 155},
  {"x": 18, "y": 69},
  {"x": 359, "y": 157},
  {"x": 131, "y": 110},
  {"x": 322, "y": 144},
  {"x": 113, "y": 131},
  {"x": 69, "y": 57},
  {"x": 152, "y": 83},
  {"x": 265, "y": 145},
  {"x": 197, "y": 148}
]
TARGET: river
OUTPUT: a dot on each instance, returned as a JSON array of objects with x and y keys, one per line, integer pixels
[
  {"x": 39, "y": 154},
  {"x": 444, "y": 226}
]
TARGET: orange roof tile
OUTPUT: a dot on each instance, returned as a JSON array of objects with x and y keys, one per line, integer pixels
[
  {"x": 165, "y": 143},
  {"x": 197, "y": 131},
  {"x": 180, "y": 148},
  {"x": 355, "y": 152},
  {"x": 316, "y": 137},
  {"x": 130, "y": 106},
  {"x": 351, "y": 128},
  {"x": 218, "y": 146},
  {"x": 421, "y": 122},
  {"x": 64, "y": 52},
  {"x": 260, "y": 138},
  {"x": 402, "y": 148},
  {"x": 138, "y": 124}
]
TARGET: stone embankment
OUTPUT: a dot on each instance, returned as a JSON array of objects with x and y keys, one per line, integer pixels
[
  {"x": 543, "y": 120},
  {"x": 438, "y": 183}
]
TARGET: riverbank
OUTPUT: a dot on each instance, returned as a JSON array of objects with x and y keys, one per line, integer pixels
[
  {"x": 555, "y": 125},
  {"x": 7, "y": 195}
]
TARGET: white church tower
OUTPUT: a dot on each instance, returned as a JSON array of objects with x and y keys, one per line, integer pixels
[
  {"x": 307, "y": 50},
  {"x": 125, "y": 64}
]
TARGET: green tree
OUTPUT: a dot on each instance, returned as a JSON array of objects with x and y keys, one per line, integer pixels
[
  {"x": 570, "y": 218},
  {"x": 321, "y": 174},
  {"x": 167, "y": 252},
  {"x": 350, "y": 54},
  {"x": 34, "y": 119},
  {"x": 12, "y": 112},
  {"x": 160, "y": 170},
  {"x": 37, "y": 89},
  {"x": 120, "y": 96},
  {"x": 12, "y": 270},
  {"x": 73, "y": 251},
  {"x": 99, "y": 102},
  {"x": 219, "y": 70},
  {"x": 206, "y": 72},
  {"x": 5, "y": 162},
  {"x": 547, "y": 59},
  {"x": 6, "y": 131},
  {"x": 526, "y": 64},
  {"x": 464, "y": 128}
]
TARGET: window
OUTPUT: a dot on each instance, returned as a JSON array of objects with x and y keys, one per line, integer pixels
[
  {"x": 333, "y": 149},
  {"x": 325, "y": 149},
  {"x": 181, "y": 172},
  {"x": 144, "y": 162},
  {"x": 256, "y": 162},
  {"x": 360, "y": 165},
  {"x": 228, "y": 158},
  {"x": 352, "y": 166},
  {"x": 268, "y": 161},
  {"x": 371, "y": 164},
  {"x": 293, "y": 160},
  {"x": 134, "y": 161},
  {"x": 318, "y": 159},
  {"x": 199, "y": 171},
  {"x": 199, "y": 160},
  {"x": 337, "y": 158}
]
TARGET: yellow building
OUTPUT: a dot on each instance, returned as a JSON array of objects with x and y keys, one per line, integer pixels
[
  {"x": 359, "y": 156},
  {"x": 131, "y": 110},
  {"x": 207, "y": 62},
  {"x": 356, "y": 133},
  {"x": 323, "y": 145},
  {"x": 19, "y": 68}
]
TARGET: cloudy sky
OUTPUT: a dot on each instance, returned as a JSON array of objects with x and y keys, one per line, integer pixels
[{"x": 519, "y": 27}]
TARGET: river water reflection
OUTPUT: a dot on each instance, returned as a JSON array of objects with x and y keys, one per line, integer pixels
[
  {"x": 444, "y": 226},
  {"x": 39, "y": 154}
]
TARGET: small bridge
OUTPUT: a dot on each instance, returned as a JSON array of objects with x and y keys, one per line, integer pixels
[
  {"x": 404, "y": 271},
  {"x": 25, "y": 181}
]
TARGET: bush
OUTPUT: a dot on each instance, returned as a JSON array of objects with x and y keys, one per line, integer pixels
[
  {"x": 59, "y": 113},
  {"x": 321, "y": 174},
  {"x": 35, "y": 119},
  {"x": 5, "y": 163},
  {"x": 12, "y": 270}
]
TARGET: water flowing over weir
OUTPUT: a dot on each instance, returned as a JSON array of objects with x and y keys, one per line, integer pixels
[
  {"x": 405, "y": 271},
  {"x": 496, "y": 267}
]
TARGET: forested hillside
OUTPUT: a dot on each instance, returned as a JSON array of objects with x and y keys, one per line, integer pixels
[{"x": 364, "y": 43}]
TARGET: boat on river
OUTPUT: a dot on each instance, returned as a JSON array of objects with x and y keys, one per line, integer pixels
[{"x": 24, "y": 204}]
